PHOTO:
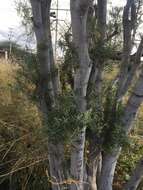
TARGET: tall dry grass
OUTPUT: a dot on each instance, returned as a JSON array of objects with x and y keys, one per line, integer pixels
[{"x": 22, "y": 144}]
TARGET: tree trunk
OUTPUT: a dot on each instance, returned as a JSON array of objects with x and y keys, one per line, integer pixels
[
  {"x": 135, "y": 100},
  {"x": 56, "y": 159},
  {"x": 110, "y": 159},
  {"x": 136, "y": 177},
  {"x": 127, "y": 69},
  {"x": 79, "y": 11},
  {"x": 93, "y": 167},
  {"x": 77, "y": 161},
  {"x": 108, "y": 169},
  {"x": 94, "y": 158},
  {"x": 48, "y": 87},
  {"x": 95, "y": 88}
]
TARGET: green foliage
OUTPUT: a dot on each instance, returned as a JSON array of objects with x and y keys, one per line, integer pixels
[
  {"x": 128, "y": 159},
  {"x": 22, "y": 140},
  {"x": 114, "y": 28},
  {"x": 27, "y": 75},
  {"x": 21, "y": 132},
  {"x": 113, "y": 132},
  {"x": 105, "y": 119},
  {"x": 113, "y": 36},
  {"x": 70, "y": 62},
  {"x": 96, "y": 120},
  {"x": 111, "y": 45},
  {"x": 64, "y": 122}
]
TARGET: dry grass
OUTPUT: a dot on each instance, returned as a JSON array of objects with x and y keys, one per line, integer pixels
[
  {"x": 7, "y": 80},
  {"x": 22, "y": 143}
]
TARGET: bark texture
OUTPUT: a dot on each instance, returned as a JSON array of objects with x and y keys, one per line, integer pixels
[
  {"x": 94, "y": 91},
  {"x": 79, "y": 12},
  {"x": 136, "y": 177},
  {"x": 48, "y": 89},
  {"x": 48, "y": 86},
  {"x": 127, "y": 72},
  {"x": 125, "y": 76},
  {"x": 94, "y": 160},
  {"x": 110, "y": 160},
  {"x": 108, "y": 169}
]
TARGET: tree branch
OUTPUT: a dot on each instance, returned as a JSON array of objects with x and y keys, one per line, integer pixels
[
  {"x": 136, "y": 177},
  {"x": 128, "y": 26}
]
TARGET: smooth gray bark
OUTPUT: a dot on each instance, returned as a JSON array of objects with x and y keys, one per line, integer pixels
[
  {"x": 131, "y": 109},
  {"x": 95, "y": 88},
  {"x": 127, "y": 72},
  {"x": 129, "y": 21},
  {"x": 93, "y": 160},
  {"x": 79, "y": 12},
  {"x": 56, "y": 159},
  {"x": 41, "y": 22},
  {"x": 94, "y": 170},
  {"x": 48, "y": 86},
  {"x": 108, "y": 169}
]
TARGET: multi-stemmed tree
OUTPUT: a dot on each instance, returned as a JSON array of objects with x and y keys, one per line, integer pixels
[{"x": 90, "y": 57}]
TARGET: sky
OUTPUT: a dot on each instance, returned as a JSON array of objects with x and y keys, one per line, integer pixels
[{"x": 9, "y": 18}]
